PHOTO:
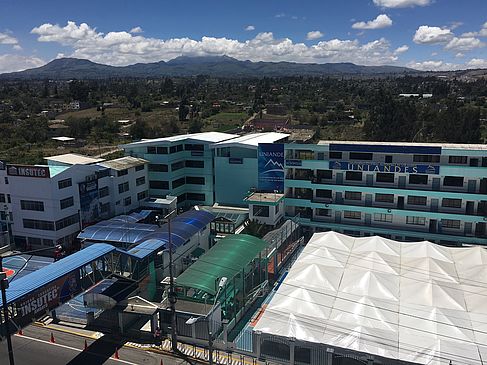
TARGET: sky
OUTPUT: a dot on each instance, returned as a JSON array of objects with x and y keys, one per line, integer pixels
[{"x": 422, "y": 34}]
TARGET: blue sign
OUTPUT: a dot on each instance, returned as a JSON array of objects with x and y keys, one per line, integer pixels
[
  {"x": 377, "y": 167},
  {"x": 88, "y": 198},
  {"x": 294, "y": 163},
  {"x": 271, "y": 166}
]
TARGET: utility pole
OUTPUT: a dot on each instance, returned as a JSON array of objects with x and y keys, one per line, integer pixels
[{"x": 4, "y": 286}]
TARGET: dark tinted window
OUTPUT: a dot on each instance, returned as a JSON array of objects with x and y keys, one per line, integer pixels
[{"x": 384, "y": 177}]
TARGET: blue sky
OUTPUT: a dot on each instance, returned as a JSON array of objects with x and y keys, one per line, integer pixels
[{"x": 424, "y": 34}]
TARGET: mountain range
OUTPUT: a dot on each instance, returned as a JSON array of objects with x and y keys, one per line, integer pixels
[{"x": 222, "y": 66}]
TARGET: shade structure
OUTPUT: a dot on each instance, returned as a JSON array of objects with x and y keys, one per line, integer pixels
[
  {"x": 226, "y": 259},
  {"x": 414, "y": 302}
]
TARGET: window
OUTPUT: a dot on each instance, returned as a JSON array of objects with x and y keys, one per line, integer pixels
[
  {"x": 140, "y": 167},
  {"x": 195, "y": 164},
  {"x": 105, "y": 208},
  {"x": 194, "y": 147},
  {"x": 324, "y": 174},
  {"x": 140, "y": 181},
  {"x": 151, "y": 150},
  {"x": 426, "y": 158},
  {"x": 260, "y": 210},
  {"x": 157, "y": 150},
  {"x": 352, "y": 214},
  {"x": 177, "y": 183},
  {"x": 174, "y": 149},
  {"x": 417, "y": 221},
  {"x": 195, "y": 180},
  {"x": 156, "y": 184},
  {"x": 102, "y": 173},
  {"x": 354, "y": 175},
  {"x": 380, "y": 217},
  {"x": 323, "y": 212},
  {"x": 66, "y": 203},
  {"x": 335, "y": 155},
  {"x": 122, "y": 172},
  {"x": 127, "y": 201},
  {"x": 462, "y": 160},
  {"x": 388, "y": 159},
  {"x": 450, "y": 223},
  {"x": 66, "y": 183},
  {"x": 181, "y": 198},
  {"x": 142, "y": 195},
  {"x": 195, "y": 196},
  {"x": 353, "y": 195},
  {"x": 177, "y": 166},
  {"x": 103, "y": 192},
  {"x": 320, "y": 193},
  {"x": 2, "y": 198},
  {"x": 35, "y": 241},
  {"x": 418, "y": 179},
  {"x": 6, "y": 180},
  {"x": 451, "y": 203},
  {"x": 32, "y": 205},
  {"x": 417, "y": 200},
  {"x": 157, "y": 167},
  {"x": 362, "y": 156},
  {"x": 453, "y": 181},
  {"x": 8, "y": 199},
  {"x": 384, "y": 177},
  {"x": 123, "y": 187},
  {"x": 38, "y": 224},
  {"x": 384, "y": 198},
  {"x": 68, "y": 221}
]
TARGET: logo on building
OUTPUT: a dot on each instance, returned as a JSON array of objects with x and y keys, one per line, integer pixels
[
  {"x": 28, "y": 171},
  {"x": 271, "y": 166}
]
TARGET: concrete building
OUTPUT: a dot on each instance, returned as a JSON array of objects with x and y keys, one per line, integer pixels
[
  {"x": 49, "y": 204},
  {"x": 403, "y": 191},
  {"x": 181, "y": 165}
]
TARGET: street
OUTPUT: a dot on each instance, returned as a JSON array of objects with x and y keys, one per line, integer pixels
[{"x": 34, "y": 347}]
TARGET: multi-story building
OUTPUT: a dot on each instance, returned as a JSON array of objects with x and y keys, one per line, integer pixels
[
  {"x": 181, "y": 165},
  {"x": 405, "y": 191},
  {"x": 45, "y": 205}
]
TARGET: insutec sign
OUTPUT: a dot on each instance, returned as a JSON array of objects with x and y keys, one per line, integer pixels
[{"x": 375, "y": 167}]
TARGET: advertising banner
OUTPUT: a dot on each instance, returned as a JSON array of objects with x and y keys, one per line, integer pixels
[
  {"x": 28, "y": 171},
  {"x": 88, "y": 198},
  {"x": 271, "y": 167},
  {"x": 374, "y": 167},
  {"x": 48, "y": 297}
]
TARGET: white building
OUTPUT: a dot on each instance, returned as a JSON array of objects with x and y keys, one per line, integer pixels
[{"x": 49, "y": 204}]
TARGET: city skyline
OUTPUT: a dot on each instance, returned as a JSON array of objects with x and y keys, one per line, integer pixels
[{"x": 421, "y": 34}]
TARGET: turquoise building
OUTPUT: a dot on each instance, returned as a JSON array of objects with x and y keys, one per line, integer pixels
[{"x": 404, "y": 191}]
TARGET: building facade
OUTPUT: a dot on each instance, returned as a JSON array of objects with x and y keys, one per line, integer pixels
[{"x": 404, "y": 191}]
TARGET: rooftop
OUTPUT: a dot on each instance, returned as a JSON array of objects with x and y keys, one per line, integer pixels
[
  {"x": 123, "y": 163},
  {"x": 211, "y": 137},
  {"x": 411, "y": 144},
  {"x": 252, "y": 140},
  {"x": 264, "y": 197},
  {"x": 73, "y": 159},
  {"x": 63, "y": 139}
]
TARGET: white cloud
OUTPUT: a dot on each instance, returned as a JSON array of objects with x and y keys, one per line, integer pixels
[
  {"x": 17, "y": 47},
  {"x": 483, "y": 31},
  {"x": 464, "y": 44},
  {"x": 13, "y": 62},
  {"x": 459, "y": 55},
  {"x": 123, "y": 48},
  {"x": 280, "y": 15},
  {"x": 432, "y": 35},
  {"x": 477, "y": 63},
  {"x": 7, "y": 39},
  {"x": 434, "y": 66},
  {"x": 401, "y": 3},
  {"x": 136, "y": 30},
  {"x": 249, "y": 28},
  {"x": 382, "y": 21},
  {"x": 314, "y": 34},
  {"x": 401, "y": 49}
]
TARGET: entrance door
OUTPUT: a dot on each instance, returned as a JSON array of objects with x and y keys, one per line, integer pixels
[
  {"x": 470, "y": 208},
  {"x": 433, "y": 226},
  {"x": 400, "y": 202},
  {"x": 368, "y": 200},
  {"x": 472, "y": 186},
  {"x": 483, "y": 186},
  {"x": 369, "y": 180},
  {"x": 402, "y": 182},
  {"x": 338, "y": 197},
  {"x": 436, "y": 183},
  {"x": 368, "y": 219},
  {"x": 434, "y": 205},
  {"x": 339, "y": 178},
  {"x": 468, "y": 228},
  {"x": 338, "y": 216}
]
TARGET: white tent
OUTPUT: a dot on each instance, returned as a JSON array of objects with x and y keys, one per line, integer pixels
[{"x": 416, "y": 302}]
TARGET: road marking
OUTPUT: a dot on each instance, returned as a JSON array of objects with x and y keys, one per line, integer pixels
[{"x": 68, "y": 347}]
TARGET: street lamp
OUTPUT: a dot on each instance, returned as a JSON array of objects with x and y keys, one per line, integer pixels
[
  {"x": 171, "y": 296},
  {"x": 4, "y": 286},
  {"x": 193, "y": 320}
]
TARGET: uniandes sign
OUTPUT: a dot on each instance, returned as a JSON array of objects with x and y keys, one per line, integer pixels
[
  {"x": 28, "y": 171},
  {"x": 48, "y": 297}
]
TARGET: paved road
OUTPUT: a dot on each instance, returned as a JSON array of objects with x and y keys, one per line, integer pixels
[{"x": 34, "y": 347}]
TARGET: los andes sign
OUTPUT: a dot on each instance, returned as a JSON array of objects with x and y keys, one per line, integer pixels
[{"x": 28, "y": 171}]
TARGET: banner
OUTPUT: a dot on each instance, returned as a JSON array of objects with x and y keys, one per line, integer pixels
[
  {"x": 88, "y": 198},
  {"x": 48, "y": 297},
  {"x": 375, "y": 167},
  {"x": 271, "y": 167},
  {"x": 28, "y": 171}
]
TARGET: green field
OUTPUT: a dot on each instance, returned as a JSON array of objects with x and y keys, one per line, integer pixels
[{"x": 224, "y": 121}]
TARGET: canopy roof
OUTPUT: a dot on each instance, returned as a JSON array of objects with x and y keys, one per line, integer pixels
[
  {"x": 226, "y": 259},
  {"x": 416, "y": 302}
]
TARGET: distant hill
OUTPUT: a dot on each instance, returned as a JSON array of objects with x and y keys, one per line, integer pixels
[{"x": 224, "y": 66}]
